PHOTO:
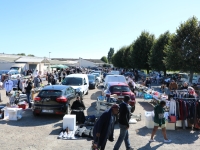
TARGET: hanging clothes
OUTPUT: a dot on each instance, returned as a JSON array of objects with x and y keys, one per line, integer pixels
[{"x": 8, "y": 85}]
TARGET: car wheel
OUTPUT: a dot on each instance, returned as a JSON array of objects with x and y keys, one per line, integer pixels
[
  {"x": 35, "y": 114},
  {"x": 132, "y": 109}
]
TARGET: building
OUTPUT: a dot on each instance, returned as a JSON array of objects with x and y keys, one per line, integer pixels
[{"x": 83, "y": 62}]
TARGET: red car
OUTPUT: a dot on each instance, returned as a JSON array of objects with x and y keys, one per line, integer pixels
[{"x": 120, "y": 89}]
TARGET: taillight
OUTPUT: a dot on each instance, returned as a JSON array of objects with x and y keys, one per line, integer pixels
[
  {"x": 37, "y": 99},
  {"x": 61, "y": 99}
]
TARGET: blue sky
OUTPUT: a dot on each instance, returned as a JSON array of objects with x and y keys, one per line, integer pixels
[{"x": 85, "y": 28}]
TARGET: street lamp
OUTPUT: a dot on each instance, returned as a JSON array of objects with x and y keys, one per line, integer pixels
[{"x": 49, "y": 55}]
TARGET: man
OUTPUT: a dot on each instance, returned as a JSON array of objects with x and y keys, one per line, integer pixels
[
  {"x": 159, "y": 121},
  {"x": 28, "y": 91},
  {"x": 124, "y": 117},
  {"x": 78, "y": 104},
  {"x": 104, "y": 127},
  {"x": 37, "y": 81},
  {"x": 173, "y": 85}
]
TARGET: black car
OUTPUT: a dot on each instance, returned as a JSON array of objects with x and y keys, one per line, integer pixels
[
  {"x": 92, "y": 81},
  {"x": 54, "y": 99}
]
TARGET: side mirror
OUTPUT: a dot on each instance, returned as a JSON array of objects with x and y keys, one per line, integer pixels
[{"x": 85, "y": 83}]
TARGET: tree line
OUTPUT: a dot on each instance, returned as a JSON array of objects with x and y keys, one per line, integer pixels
[{"x": 179, "y": 51}]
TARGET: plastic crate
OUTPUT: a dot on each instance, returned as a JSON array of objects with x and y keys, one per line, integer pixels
[{"x": 23, "y": 106}]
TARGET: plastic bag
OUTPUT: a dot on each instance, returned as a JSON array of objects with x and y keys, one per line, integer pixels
[{"x": 148, "y": 96}]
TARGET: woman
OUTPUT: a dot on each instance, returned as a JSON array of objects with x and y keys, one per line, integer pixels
[
  {"x": 185, "y": 86},
  {"x": 159, "y": 121}
]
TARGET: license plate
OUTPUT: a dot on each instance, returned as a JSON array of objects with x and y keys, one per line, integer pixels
[
  {"x": 47, "y": 111},
  {"x": 120, "y": 96}
]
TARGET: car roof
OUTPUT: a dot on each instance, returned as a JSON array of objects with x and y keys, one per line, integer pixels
[
  {"x": 117, "y": 83},
  {"x": 91, "y": 75},
  {"x": 55, "y": 87},
  {"x": 77, "y": 75}
]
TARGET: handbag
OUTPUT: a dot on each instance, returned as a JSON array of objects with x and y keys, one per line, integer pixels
[{"x": 172, "y": 119}]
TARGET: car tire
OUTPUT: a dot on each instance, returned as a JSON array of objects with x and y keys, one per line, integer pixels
[
  {"x": 132, "y": 109},
  {"x": 35, "y": 114}
]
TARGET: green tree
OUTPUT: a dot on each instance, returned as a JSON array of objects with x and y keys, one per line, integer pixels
[
  {"x": 117, "y": 58},
  {"x": 22, "y": 54},
  {"x": 183, "y": 52},
  {"x": 31, "y": 55},
  {"x": 104, "y": 59},
  {"x": 127, "y": 59},
  {"x": 110, "y": 54},
  {"x": 157, "y": 54},
  {"x": 141, "y": 50}
]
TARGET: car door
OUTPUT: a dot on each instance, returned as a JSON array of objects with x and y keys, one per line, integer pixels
[
  {"x": 85, "y": 85},
  {"x": 72, "y": 95}
]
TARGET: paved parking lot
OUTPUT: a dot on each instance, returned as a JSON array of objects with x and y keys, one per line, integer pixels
[{"x": 40, "y": 133}]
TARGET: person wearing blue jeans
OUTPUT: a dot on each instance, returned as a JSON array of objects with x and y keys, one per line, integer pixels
[{"x": 124, "y": 117}]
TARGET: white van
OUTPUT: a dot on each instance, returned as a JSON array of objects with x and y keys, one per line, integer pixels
[
  {"x": 115, "y": 72},
  {"x": 77, "y": 81},
  {"x": 114, "y": 78}
]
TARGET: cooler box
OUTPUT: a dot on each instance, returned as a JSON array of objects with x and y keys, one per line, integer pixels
[
  {"x": 14, "y": 113},
  {"x": 170, "y": 126},
  {"x": 149, "y": 123},
  {"x": 70, "y": 122}
]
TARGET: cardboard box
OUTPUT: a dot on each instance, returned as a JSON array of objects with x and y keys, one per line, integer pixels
[{"x": 70, "y": 122}]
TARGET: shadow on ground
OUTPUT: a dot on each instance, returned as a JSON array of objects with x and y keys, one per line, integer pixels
[
  {"x": 29, "y": 120},
  {"x": 146, "y": 106}
]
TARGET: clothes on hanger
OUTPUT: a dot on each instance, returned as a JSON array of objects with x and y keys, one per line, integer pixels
[{"x": 8, "y": 85}]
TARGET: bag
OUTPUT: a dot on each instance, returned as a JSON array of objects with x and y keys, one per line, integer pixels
[
  {"x": 172, "y": 119},
  {"x": 148, "y": 96},
  {"x": 94, "y": 146}
]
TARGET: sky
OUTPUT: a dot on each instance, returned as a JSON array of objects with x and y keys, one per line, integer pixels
[{"x": 85, "y": 28}]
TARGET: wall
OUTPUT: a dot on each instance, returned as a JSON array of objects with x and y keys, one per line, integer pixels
[
  {"x": 85, "y": 63},
  {"x": 5, "y": 65}
]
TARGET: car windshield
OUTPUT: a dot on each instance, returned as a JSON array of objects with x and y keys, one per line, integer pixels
[
  {"x": 96, "y": 74},
  {"x": 91, "y": 78},
  {"x": 119, "y": 89},
  {"x": 49, "y": 93},
  {"x": 4, "y": 72},
  {"x": 74, "y": 81},
  {"x": 184, "y": 76}
]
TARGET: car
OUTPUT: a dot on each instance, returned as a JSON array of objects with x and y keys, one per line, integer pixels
[
  {"x": 115, "y": 72},
  {"x": 92, "y": 81},
  {"x": 120, "y": 89},
  {"x": 4, "y": 72},
  {"x": 97, "y": 77},
  {"x": 79, "y": 82},
  {"x": 54, "y": 99},
  {"x": 114, "y": 78},
  {"x": 14, "y": 74},
  {"x": 105, "y": 74}
]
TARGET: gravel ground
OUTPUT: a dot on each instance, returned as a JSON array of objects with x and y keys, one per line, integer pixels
[{"x": 40, "y": 133}]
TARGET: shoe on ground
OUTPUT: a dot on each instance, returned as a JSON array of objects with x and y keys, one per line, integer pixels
[
  {"x": 152, "y": 140},
  {"x": 60, "y": 135},
  {"x": 130, "y": 148},
  {"x": 167, "y": 141},
  {"x": 65, "y": 134}
]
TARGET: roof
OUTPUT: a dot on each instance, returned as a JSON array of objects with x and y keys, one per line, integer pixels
[
  {"x": 59, "y": 62},
  {"x": 8, "y": 59},
  {"x": 32, "y": 60},
  {"x": 117, "y": 83},
  {"x": 55, "y": 87},
  {"x": 76, "y": 59}
]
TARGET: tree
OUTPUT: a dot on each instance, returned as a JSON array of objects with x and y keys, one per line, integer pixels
[
  {"x": 157, "y": 54},
  {"x": 183, "y": 52},
  {"x": 127, "y": 59},
  {"x": 117, "y": 58},
  {"x": 141, "y": 50},
  {"x": 110, "y": 54},
  {"x": 31, "y": 55},
  {"x": 22, "y": 54},
  {"x": 104, "y": 59}
]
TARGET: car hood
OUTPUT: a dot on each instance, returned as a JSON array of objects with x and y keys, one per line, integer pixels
[{"x": 91, "y": 81}]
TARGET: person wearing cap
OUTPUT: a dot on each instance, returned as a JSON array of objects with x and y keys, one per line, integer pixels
[
  {"x": 104, "y": 127},
  {"x": 124, "y": 117}
]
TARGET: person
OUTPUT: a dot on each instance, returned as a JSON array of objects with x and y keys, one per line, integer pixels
[
  {"x": 159, "y": 121},
  {"x": 28, "y": 89},
  {"x": 173, "y": 85},
  {"x": 192, "y": 91},
  {"x": 78, "y": 104},
  {"x": 77, "y": 108},
  {"x": 37, "y": 81},
  {"x": 104, "y": 127},
  {"x": 19, "y": 84},
  {"x": 148, "y": 83},
  {"x": 124, "y": 117},
  {"x": 185, "y": 86}
]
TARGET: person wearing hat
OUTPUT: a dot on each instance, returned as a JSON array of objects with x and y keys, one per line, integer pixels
[
  {"x": 124, "y": 117},
  {"x": 28, "y": 89},
  {"x": 104, "y": 127}
]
